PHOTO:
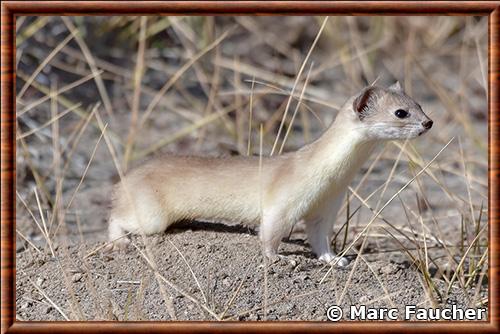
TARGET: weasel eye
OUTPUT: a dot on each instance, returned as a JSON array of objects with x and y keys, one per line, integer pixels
[{"x": 400, "y": 113}]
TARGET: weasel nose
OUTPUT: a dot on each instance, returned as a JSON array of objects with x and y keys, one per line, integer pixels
[{"x": 427, "y": 124}]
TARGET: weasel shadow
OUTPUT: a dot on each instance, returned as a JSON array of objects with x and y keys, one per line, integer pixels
[
  {"x": 210, "y": 226},
  {"x": 236, "y": 229}
]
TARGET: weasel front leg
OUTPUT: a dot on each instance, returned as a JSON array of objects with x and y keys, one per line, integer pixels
[{"x": 320, "y": 231}]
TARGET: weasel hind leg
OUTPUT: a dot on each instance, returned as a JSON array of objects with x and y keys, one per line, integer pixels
[
  {"x": 116, "y": 235},
  {"x": 272, "y": 230}
]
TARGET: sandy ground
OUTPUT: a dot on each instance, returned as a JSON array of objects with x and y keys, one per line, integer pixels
[{"x": 209, "y": 275}]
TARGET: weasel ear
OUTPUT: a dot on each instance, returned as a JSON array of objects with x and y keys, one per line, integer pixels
[
  {"x": 396, "y": 86},
  {"x": 362, "y": 102}
]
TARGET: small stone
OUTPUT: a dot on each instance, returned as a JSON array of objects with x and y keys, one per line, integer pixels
[
  {"x": 39, "y": 281},
  {"x": 47, "y": 309},
  {"x": 107, "y": 258},
  {"x": 451, "y": 301},
  {"x": 37, "y": 295},
  {"x": 389, "y": 269},
  {"x": 25, "y": 305},
  {"x": 364, "y": 299},
  {"x": 226, "y": 282},
  {"x": 278, "y": 275},
  {"x": 76, "y": 277}
]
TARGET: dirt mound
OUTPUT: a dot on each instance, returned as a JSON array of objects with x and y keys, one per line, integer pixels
[{"x": 208, "y": 275}]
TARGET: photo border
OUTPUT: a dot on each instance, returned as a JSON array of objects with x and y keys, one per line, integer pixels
[{"x": 9, "y": 10}]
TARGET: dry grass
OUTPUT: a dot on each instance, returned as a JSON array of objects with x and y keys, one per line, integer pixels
[{"x": 224, "y": 85}]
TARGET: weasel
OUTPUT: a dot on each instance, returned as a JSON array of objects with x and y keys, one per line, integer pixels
[{"x": 306, "y": 185}]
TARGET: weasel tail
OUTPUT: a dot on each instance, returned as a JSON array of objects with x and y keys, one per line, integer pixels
[{"x": 307, "y": 185}]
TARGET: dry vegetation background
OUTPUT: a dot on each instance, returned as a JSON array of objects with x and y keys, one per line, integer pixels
[{"x": 100, "y": 94}]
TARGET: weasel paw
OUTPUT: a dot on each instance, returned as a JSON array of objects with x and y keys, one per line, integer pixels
[
  {"x": 334, "y": 260},
  {"x": 117, "y": 245}
]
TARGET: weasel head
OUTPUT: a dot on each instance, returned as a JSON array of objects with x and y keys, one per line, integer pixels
[{"x": 388, "y": 113}]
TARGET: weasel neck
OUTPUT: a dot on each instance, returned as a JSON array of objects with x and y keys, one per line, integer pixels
[{"x": 332, "y": 161}]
